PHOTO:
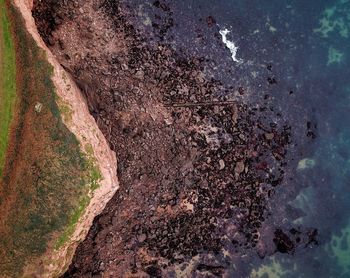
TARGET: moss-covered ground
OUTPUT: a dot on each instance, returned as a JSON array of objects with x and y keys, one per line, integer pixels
[{"x": 46, "y": 176}]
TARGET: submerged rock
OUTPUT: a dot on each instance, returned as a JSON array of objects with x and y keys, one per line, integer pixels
[{"x": 306, "y": 163}]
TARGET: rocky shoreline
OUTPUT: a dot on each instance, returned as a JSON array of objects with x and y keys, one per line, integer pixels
[{"x": 198, "y": 169}]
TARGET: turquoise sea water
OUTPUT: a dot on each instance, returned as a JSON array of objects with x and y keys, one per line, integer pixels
[{"x": 296, "y": 55}]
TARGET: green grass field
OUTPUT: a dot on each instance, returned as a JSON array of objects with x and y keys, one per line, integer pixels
[{"x": 7, "y": 82}]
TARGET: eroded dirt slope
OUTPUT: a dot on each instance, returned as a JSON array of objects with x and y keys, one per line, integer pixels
[
  {"x": 197, "y": 172},
  {"x": 58, "y": 172}
]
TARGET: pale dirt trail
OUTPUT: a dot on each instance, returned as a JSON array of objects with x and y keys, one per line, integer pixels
[{"x": 83, "y": 125}]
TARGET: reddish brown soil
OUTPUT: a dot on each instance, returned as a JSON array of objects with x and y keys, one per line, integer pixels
[{"x": 196, "y": 172}]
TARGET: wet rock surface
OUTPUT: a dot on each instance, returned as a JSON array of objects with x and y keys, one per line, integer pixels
[{"x": 200, "y": 172}]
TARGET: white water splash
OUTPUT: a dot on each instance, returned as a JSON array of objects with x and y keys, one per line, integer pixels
[{"x": 230, "y": 45}]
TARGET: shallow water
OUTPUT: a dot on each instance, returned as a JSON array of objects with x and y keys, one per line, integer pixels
[{"x": 303, "y": 47}]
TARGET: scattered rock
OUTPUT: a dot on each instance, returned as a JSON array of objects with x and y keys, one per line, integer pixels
[
  {"x": 211, "y": 21},
  {"x": 180, "y": 166},
  {"x": 141, "y": 238},
  {"x": 221, "y": 164},
  {"x": 269, "y": 136},
  {"x": 239, "y": 167},
  {"x": 38, "y": 107}
]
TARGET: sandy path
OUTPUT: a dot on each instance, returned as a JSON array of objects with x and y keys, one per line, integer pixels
[{"x": 83, "y": 125}]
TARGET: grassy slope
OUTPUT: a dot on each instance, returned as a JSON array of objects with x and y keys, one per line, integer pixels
[
  {"x": 7, "y": 82},
  {"x": 46, "y": 177}
]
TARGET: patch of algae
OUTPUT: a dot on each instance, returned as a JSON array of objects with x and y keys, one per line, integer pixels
[
  {"x": 335, "y": 19},
  {"x": 340, "y": 248},
  {"x": 334, "y": 56},
  {"x": 272, "y": 270},
  {"x": 306, "y": 163}
]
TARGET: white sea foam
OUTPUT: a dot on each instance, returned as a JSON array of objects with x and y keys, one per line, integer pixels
[{"x": 230, "y": 45}]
